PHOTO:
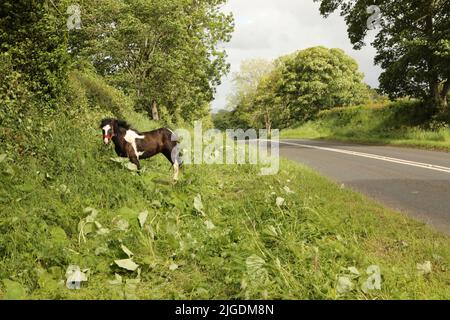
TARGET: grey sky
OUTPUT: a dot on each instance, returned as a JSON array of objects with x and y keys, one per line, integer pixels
[{"x": 271, "y": 28}]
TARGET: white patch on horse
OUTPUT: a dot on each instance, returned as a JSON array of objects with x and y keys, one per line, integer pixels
[
  {"x": 131, "y": 137},
  {"x": 106, "y": 130}
]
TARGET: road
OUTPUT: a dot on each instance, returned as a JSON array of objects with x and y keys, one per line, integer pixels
[{"x": 416, "y": 182}]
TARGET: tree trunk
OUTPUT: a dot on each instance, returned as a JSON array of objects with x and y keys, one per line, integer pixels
[
  {"x": 268, "y": 124},
  {"x": 155, "y": 113},
  {"x": 434, "y": 98},
  {"x": 439, "y": 96},
  {"x": 444, "y": 93}
]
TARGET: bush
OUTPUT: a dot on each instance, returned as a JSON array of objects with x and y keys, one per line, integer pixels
[
  {"x": 51, "y": 168},
  {"x": 34, "y": 34}
]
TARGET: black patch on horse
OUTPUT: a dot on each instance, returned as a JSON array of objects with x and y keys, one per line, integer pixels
[{"x": 162, "y": 140}]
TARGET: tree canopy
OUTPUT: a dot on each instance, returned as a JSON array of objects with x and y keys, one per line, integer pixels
[
  {"x": 161, "y": 52},
  {"x": 164, "y": 54},
  {"x": 296, "y": 88},
  {"x": 412, "y": 43}
]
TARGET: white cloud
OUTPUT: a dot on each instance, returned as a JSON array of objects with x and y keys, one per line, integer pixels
[{"x": 271, "y": 28}]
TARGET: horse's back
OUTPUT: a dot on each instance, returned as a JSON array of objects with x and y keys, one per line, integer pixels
[
  {"x": 164, "y": 138},
  {"x": 159, "y": 133}
]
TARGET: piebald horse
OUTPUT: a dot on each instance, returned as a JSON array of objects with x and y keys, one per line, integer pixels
[{"x": 135, "y": 146}]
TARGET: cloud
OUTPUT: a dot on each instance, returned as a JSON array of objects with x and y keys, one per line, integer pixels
[{"x": 268, "y": 29}]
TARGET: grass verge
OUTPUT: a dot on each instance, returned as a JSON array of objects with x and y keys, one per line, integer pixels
[
  {"x": 222, "y": 232},
  {"x": 395, "y": 124}
]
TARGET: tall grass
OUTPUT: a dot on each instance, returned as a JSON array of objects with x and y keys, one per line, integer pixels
[{"x": 399, "y": 123}]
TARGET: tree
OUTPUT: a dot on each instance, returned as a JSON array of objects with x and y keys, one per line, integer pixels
[
  {"x": 309, "y": 81},
  {"x": 413, "y": 45},
  {"x": 250, "y": 73},
  {"x": 295, "y": 88},
  {"x": 245, "y": 85},
  {"x": 223, "y": 120},
  {"x": 269, "y": 107},
  {"x": 163, "y": 53}
]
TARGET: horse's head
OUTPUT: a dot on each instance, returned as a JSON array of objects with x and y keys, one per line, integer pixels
[{"x": 107, "y": 126}]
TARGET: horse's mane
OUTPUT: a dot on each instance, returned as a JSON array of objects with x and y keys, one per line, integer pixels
[
  {"x": 123, "y": 124},
  {"x": 120, "y": 123}
]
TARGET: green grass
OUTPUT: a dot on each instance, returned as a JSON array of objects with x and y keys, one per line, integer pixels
[
  {"x": 395, "y": 124},
  {"x": 255, "y": 250},
  {"x": 240, "y": 245}
]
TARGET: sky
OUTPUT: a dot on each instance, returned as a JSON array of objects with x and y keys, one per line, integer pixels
[{"x": 272, "y": 28}]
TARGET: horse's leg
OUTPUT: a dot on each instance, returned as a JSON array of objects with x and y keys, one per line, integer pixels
[
  {"x": 135, "y": 160},
  {"x": 119, "y": 151},
  {"x": 133, "y": 157},
  {"x": 168, "y": 154}
]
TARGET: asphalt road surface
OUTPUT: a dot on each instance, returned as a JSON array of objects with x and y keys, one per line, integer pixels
[{"x": 416, "y": 182}]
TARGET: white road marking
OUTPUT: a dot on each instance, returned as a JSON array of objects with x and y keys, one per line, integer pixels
[
  {"x": 131, "y": 137},
  {"x": 374, "y": 156}
]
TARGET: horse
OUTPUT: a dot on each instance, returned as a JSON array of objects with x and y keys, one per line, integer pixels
[{"x": 134, "y": 145}]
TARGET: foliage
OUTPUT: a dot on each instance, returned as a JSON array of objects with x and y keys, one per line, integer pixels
[
  {"x": 99, "y": 94},
  {"x": 224, "y": 119},
  {"x": 33, "y": 40},
  {"x": 14, "y": 93},
  {"x": 161, "y": 53},
  {"x": 33, "y": 67},
  {"x": 241, "y": 101},
  {"x": 413, "y": 45},
  {"x": 317, "y": 79},
  {"x": 299, "y": 86}
]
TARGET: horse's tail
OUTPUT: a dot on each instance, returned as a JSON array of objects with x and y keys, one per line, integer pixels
[
  {"x": 172, "y": 135},
  {"x": 175, "y": 154}
]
